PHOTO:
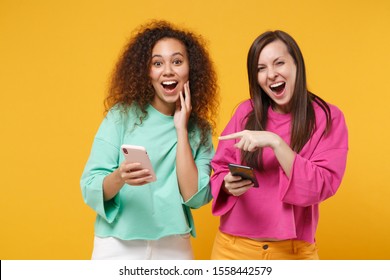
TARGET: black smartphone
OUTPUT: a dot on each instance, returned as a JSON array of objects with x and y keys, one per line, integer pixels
[{"x": 245, "y": 172}]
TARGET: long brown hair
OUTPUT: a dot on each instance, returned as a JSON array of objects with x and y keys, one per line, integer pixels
[
  {"x": 302, "y": 111},
  {"x": 130, "y": 82}
]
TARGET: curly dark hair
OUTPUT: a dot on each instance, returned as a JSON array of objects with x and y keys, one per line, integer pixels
[{"x": 130, "y": 81}]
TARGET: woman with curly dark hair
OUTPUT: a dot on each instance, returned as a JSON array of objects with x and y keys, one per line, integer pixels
[{"x": 163, "y": 96}]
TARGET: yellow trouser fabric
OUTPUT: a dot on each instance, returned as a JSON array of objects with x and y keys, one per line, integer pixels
[{"x": 229, "y": 247}]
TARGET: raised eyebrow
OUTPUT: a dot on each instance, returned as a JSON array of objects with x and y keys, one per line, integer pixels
[
  {"x": 178, "y": 53},
  {"x": 174, "y": 54}
]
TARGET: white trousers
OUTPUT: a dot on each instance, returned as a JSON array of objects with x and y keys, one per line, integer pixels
[{"x": 173, "y": 247}]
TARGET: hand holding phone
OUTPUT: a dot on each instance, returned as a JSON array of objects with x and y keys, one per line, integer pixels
[
  {"x": 245, "y": 172},
  {"x": 138, "y": 154}
]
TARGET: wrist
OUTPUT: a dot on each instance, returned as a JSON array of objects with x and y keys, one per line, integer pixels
[
  {"x": 224, "y": 189},
  {"x": 276, "y": 142},
  {"x": 182, "y": 132},
  {"x": 117, "y": 177}
]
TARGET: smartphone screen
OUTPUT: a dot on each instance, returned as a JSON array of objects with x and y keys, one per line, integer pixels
[{"x": 245, "y": 172}]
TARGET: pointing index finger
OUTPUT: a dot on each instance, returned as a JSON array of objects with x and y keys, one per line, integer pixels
[{"x": 230, "y": 136}]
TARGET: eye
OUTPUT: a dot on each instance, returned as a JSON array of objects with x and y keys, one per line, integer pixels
[
  {"x": 177, "y": 62},
  {"x": 157, "y": 63},
  {"x": 260, "y": 68},
  {"x": 280, "y": 63}
]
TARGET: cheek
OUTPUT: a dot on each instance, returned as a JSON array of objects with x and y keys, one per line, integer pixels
[
  {"x": 293, "y": 81},
  {"x": 154, "y": 74},
  {"x": 185, "y": 73},
  {"x": 261, "y": 80},
  {"x": 293, "y": 72},
  {"x": 151, "y": 75}
]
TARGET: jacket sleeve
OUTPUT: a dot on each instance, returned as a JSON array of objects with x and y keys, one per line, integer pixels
[
  {"x": 103, "y": 160},
  {"x": 317, "y": 170},
  {"x": 226, "y": 153},
  {"x": 202, "y": 157}
]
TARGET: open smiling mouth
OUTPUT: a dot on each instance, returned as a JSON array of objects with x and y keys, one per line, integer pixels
[
  {"x": 169, "y": 85},
  {"x": 278, "y": 88}
]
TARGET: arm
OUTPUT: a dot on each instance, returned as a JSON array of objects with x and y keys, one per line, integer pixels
[
  {"x": 126, "y": 173},
  {"x": 203, "y": 154},
  {"x": 226, "y": 153},
  {"x": 187, "y": 171},
  {"x": 102, "y": 161},
  {"x": 253, "y": 140},
  {"x": 318, "y": 169},
  {"x": 102, "y": 177}
]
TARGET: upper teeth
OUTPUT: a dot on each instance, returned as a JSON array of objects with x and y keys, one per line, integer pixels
[
  {"x": 169, "y": 82},
  {"x": 276, "y": 85}
]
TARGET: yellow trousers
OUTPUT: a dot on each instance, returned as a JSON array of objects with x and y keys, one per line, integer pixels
[{"x": 229, "y": 247}]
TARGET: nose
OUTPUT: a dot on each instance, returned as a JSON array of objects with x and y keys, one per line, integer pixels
[
  {"x": 168, "y": 70},
  {"x": 272, "y": 74}
]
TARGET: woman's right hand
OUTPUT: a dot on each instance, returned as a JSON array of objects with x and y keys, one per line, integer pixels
[
  {"x": 132, "y": 174},
  {"x": 235, "y": 186},
  {"x": 129, "y": 173}
]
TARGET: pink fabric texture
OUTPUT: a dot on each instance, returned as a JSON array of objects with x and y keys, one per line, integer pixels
[{"x": 281, "y": 208}]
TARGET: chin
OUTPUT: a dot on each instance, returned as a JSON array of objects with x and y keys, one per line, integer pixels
[{"x": 171, "y": 99}]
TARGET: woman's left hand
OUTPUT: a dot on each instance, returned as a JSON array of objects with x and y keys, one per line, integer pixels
[{"x": 183, "y": 108}]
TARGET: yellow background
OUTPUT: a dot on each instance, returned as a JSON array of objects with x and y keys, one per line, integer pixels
[{"x": 55, "y": 58}]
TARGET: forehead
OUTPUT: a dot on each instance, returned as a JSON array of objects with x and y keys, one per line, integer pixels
[
  {"x": 273, "y": 51},
  {"x": 168, "y": 46}
]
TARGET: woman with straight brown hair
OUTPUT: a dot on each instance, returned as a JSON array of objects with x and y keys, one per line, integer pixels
[{"x": 297, "y": 145}]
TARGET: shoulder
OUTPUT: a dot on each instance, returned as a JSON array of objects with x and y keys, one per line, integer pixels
[
  {"x": 119, "y": 112},
  {"x": 320, "y": 112},
  {"x": 244, "y": 108},
  {"x": 338, "y": 125},
  {"x": 245, "y": 105},
  {"x": 114, "y": 112}
]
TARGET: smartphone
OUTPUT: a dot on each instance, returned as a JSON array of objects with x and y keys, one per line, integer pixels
[
  {"x": 134, "y": 153},
  {"x": 245, "y": 172}
]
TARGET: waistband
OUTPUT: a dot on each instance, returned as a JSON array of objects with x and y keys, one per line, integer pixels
[{"x": 291, "y": 245}]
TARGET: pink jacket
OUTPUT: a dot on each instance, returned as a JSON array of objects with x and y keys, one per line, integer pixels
[{"x": 281, "y": 208}]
